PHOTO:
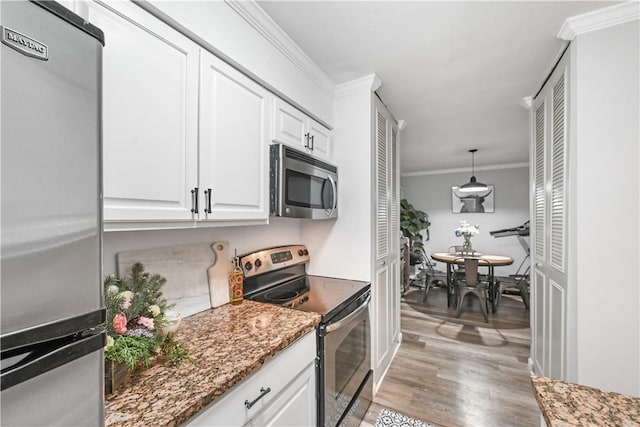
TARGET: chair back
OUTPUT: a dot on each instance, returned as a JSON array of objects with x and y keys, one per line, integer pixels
[
  {"x": 471, "y": 265},
  {"x": 456, "y": 249}
]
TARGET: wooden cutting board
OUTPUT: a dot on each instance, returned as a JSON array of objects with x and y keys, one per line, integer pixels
[{"x": 188, "y": 269}]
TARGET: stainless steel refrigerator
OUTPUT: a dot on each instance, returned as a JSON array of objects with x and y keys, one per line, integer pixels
[{"x": 51, "y": 217}]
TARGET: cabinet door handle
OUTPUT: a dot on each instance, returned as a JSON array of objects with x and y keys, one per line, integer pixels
[
  {"x": 194, "y": 200},
  {"x": 306, "y": 140},
  {"x": 207, "y": 200},
  {"x": 263, "y": 393},
  {"x": 312, "y": 142}
]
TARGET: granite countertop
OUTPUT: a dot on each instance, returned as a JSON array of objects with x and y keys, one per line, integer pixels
[
  {"x": 228, "y": 343},
  {"x": 567, "y": 404}
]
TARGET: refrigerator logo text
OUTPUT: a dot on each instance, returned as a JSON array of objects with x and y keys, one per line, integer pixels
[{"x": 25, "y": 44}]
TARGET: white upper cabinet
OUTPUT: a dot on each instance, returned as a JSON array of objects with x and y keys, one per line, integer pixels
[
  {"x": 294, "y": 128},
  {"x": 150, "y": 100},
  {"x": 234, "y": 134},
  {"x": 185, "y": 135}
]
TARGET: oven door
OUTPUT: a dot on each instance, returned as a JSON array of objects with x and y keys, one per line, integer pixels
[{"x": 347, "y": 360}]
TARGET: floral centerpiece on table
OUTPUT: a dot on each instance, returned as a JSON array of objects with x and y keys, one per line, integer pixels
[
  {"x": 135, "y": 315},
  {"x": 466, "y": 231}
]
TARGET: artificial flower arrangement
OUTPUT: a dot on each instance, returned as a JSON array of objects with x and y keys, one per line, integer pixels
[
  {"x": 135, "y": 315},
  {"x": 467, "y": 230}
]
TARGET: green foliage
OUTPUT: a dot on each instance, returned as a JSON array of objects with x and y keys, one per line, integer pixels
[
  {"x": 131, "y": 350},
  {"x": 412, "y": 223},
  {"x": 174, "y": 352},
  {"x": 137, "y": 302}
]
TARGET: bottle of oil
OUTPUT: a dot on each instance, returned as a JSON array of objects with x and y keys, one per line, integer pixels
[{"x": 236, "y": 280}]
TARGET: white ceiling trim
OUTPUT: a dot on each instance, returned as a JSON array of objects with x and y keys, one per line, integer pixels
[
  {"x": 599, "y": 19},
  {"x": 466, "y": 170},
  {"x": 251, "y": 12},
  {"x": 368, "y": 83}
]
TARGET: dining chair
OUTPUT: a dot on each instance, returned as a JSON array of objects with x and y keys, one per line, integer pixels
[
  {"x": 432, "y": 277},
  {"x": 471, "y": 284}
]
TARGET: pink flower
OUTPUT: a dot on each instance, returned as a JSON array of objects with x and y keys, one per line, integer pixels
[
  {"x": 146, "y": 322},
  {"x": 120, "y": 323},
  {"x": 126, "y": 304}
]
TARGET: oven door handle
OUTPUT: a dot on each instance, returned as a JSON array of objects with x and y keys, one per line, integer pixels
[{"x": 333, "y": 326}]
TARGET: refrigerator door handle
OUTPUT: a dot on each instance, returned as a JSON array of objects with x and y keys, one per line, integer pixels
[{"x": 42, "y": 357}]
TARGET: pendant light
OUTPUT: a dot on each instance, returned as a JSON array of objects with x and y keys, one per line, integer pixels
[{"x": 473, "y": 185}]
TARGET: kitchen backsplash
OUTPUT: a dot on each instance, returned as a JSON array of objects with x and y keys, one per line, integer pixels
[{"x": 280, "y": 231}]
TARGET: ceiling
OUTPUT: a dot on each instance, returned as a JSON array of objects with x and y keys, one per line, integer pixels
[{"x": 455, "y": 72}]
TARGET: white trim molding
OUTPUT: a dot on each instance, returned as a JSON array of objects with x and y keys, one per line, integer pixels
[
  {"x": 369, "y": 83},
  {"x": 466, "y": 170},
  {"x": 251, "y": 12},
  {"x": 599, "y": 19}
]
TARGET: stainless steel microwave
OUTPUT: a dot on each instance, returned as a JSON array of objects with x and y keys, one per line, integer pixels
[{"x": 301, "y": 186}]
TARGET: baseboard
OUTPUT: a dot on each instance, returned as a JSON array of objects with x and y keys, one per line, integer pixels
[{"x": 376, "y": 386}]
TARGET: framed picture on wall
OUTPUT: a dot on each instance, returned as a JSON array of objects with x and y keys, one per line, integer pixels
[{"x": 481, "y": 202}]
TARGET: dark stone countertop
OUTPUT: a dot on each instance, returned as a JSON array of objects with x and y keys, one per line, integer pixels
[{"x": 228, "y": 343}]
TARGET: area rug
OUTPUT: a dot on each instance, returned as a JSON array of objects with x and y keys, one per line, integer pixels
[{"x": 389, "y": 418}]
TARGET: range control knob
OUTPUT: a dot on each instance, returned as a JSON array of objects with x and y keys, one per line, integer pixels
[
  {"x": 248, "y": 266},
  {"x": 300, "y": 252},
  {"x": 258, "y": 263},
  {"x": 306, "y": 252}
]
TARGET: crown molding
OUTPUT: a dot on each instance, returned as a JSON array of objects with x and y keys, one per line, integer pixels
[
  {"x": 599, "y": 19},
  {"x": 368, "y": 84},
  {"x": 402, "y": 124},
  {"x": 251, "y": 12},
  {"x": 466, "y": 170}
]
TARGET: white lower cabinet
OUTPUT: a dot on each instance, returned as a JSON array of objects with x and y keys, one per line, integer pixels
[{"x": 290, "y": 401}]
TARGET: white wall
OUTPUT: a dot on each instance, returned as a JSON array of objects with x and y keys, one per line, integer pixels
[
  {"x": 341, "y": 248},
  {"x": 280, "y": 231},
  {"x": 432, "y": 194},
  {"x": 606, "y": 245}
]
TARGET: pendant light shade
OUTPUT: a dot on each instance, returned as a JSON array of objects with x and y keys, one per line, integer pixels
[{"x": 473, "y": 185}]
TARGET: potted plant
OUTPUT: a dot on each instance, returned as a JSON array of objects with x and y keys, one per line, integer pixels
[
  {"x": 136, "y": 312},
  {"x": 413, "y": 222}
]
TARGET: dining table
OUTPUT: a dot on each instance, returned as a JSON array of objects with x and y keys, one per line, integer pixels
[{"x": 485, "y": 260}]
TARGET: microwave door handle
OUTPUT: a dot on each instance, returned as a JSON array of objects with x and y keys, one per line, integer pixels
[
  {"x": 329, "y": 212},
  {"x": 340, "y": 323}
]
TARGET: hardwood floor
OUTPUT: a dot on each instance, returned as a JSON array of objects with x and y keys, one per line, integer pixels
[{"x": 460, "y": 372}]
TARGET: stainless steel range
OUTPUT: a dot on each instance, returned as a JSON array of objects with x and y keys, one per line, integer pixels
[{"x": 344, "y": 378}]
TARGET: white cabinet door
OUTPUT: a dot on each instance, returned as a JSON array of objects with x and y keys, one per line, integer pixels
[
  {"x": 294, "y": 128},
  {"x": 150, "y": 100},
  {"x": 295, "y": 407},
  {"x": 320, "y": 139},
  {"x": 290, "y": 125},
  {"x": 549, "y": 211},
  {"x": 233, "y": 160}
]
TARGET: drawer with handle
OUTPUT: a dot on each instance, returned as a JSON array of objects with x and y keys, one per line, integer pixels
[{"x": 246, "y": 400}]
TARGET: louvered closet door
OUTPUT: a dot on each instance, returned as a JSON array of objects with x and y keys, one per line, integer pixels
[
  {"x": 380, "y": 287},
  {"x": 549, "y": 237},
  {"x": 386, "y": 284}
]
